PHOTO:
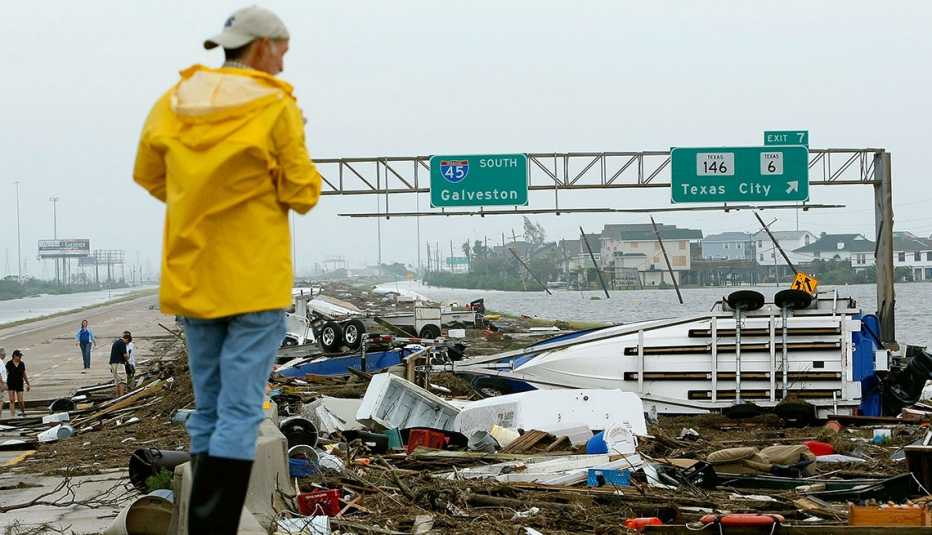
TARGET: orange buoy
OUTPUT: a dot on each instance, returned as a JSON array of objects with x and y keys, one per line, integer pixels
[{"x": 642, "y": 522}]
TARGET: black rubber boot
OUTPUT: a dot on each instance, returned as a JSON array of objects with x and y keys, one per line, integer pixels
[{"x": 217, "y": 495}]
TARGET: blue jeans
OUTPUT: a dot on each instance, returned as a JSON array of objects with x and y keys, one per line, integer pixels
[
  {"x": 86, "y": 354},
  {"x": 230, "y": 360}
]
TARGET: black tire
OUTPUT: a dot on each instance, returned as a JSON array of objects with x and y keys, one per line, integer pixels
[
  {"x": 353, "y": 331},
  {"x": 331, "y": 337},
  {"x": 792, "y": 299},
  {"x": 430, "y": 332},
  {"x": 796, "y": 412},
  {"x": 745, "y": 300},
  {"x": 743, "y": 411}
]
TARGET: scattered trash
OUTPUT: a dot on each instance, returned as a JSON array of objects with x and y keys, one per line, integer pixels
[
  {"x": 520, "y": 515},
  {"x": 56, "y": 417},
  {"x": 147, "y": 462},
  {"x": 146, "y": 515},
  {"x": 59, "y": 432},
  {"x": 322, "y": 502}
]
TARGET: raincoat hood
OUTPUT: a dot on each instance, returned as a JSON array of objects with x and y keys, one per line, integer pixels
[{"x": 213, "y": 103}]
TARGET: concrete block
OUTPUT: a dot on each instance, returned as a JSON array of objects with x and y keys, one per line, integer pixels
[{"x": 269, "y": 474}]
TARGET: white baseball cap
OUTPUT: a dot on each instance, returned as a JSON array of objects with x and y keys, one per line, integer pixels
[{"x": 247, "y": 25}]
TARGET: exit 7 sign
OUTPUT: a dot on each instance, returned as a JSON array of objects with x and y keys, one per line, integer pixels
[{"x": 786, "y": 137}]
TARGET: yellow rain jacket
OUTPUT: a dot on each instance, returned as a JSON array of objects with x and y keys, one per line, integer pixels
[{"x": 224, "y": 150}]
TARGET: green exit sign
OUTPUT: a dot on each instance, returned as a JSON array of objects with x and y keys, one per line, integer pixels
[
  {"x": 478, "y": 180},
  {"x": 786, "y": 137},
  {"x": 740, "y": 174}
]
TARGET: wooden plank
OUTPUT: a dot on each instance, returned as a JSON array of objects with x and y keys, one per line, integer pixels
[
  {"x": 127, "y": 400},
  {"x": 873, "y": 515},
  {"x": 792, "y": 530}
]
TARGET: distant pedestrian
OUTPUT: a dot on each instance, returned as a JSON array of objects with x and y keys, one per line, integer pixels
[
  {"x": 84, "y": 339},
  {"x": 131, "y": 359},
  {"x": 15, "y": 377},
  {"x": 118, "y": 358},
  {"x": 224, "y": 148},
  {"x": 2, "y": 376}
]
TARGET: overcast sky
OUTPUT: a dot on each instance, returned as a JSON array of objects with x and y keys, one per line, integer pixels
[{"x": 417, "y": 78}]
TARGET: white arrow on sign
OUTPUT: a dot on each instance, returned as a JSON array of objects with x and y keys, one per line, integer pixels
[{"x": 792, "y": 185}]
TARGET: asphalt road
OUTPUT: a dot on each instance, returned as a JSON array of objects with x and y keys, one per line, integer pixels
[{"x": 53, "y": 362}]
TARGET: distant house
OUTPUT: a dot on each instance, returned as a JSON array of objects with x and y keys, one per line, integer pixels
[
  {"x": 791, "y": 241},
  {"x": 630, "y": 246},
  {"x": 576, "y": 256},
  {"x": 728, "y": 246},
  {"x": 913, "y": 252},
  {"x": 854, "y": 247}
]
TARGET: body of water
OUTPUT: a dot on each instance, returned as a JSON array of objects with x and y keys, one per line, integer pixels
[
  {"x": 43, "y": 305},
  {"x": 913, "y": 303}
]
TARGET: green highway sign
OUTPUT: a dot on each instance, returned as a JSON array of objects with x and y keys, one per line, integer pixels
[
  {"x": 478, "y": 180},
  {"x": 786, "y": 137},
  {"x": 457, "y": 261},
  {"x": 735, "y": 174}
]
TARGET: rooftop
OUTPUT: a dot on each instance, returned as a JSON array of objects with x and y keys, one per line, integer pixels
[
  {"x": 850, "y": 243},
  {"x": 728, "y": 236},
  {"x": 645, "y": 232}
]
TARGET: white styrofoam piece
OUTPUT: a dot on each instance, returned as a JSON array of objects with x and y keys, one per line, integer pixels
[{"x": 549, "y": 409}]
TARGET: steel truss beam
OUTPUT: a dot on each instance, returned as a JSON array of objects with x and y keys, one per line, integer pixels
[
  {"x": 558, "y": 211},
  {"x": 556, "y": 171}
]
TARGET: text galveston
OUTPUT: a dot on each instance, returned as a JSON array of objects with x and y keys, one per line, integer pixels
[{"x": 464, "y": 195}]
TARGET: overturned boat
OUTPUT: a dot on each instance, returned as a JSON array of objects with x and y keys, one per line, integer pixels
[{"x": 820, "y": 349}]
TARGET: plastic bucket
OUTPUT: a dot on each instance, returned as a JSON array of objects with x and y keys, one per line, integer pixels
[
  {"x": 146, "y": 515},
  {"x": 299, "y": 431},
  {"x": 59, "y": 432},
  {"x": 149, "y": 461},
  {"x": 181, "y": 416},
  {"x": 503, "y": 435},
  {"x": 482, "y": 441}
]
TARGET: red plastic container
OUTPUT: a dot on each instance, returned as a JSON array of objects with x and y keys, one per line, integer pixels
[
  {"x": 642, "y": 522},
  {"x": 743, "y": 519},
  {"x": 819, "y": 448},
  {"x": 320, "y": 502},
  {"x": 425, "y": 437}
]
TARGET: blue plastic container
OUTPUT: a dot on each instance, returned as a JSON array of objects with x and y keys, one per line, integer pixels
[
  {"x": 609, "y": 476},
  {"x": 299, "y": 467},
  {"x": 596, "y": 445}
]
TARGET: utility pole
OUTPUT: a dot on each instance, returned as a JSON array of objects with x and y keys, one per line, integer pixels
[
  {"x": 19, "y": 239},
  {"x": 54, "y": 201},
  {"x": 429, "y": 266}
]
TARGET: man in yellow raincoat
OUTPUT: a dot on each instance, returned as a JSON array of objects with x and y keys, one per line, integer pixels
[{"x": 224, "y": 149}]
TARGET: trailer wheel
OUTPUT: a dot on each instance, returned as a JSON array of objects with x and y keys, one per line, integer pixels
[
  {"x": 352, "y": 333},
  {"x": 331, "y": 337},
  {"x": 491, "y": 387},
  {"x": 430, "y": 332}
]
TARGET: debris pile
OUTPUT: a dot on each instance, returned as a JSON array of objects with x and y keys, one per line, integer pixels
[{"x": 407, "y": 450}]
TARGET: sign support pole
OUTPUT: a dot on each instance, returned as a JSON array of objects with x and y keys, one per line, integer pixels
[{"x": 883, "y": 219}]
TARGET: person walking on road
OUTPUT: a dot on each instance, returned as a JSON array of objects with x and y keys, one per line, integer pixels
[
  {"x": 2, "y": 377},
  {"x": 15, "y": 378},
  {"x": 130, "y": 359},
  {"x": 118, "y": 359},
  {"x": 84, "y": 339},
  {"x": 224, "y": 149}
]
